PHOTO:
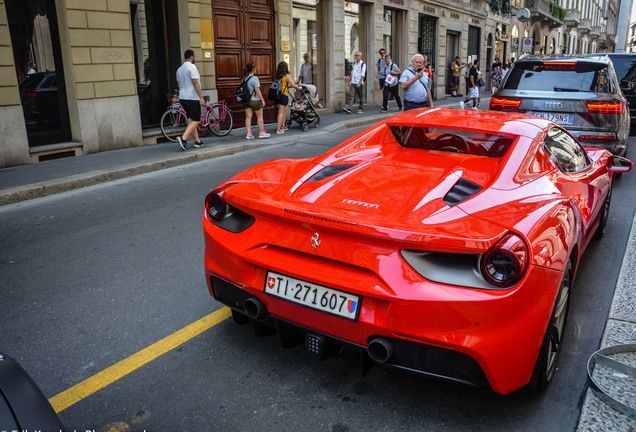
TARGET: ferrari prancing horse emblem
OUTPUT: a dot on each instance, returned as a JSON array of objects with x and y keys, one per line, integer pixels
[{"x": 315, "y": 240}]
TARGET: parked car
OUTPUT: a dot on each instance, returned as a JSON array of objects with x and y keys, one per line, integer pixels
[
  {"x": 39, "y": 96},
  {"x": 23, "y": 407},
  {"x": 625, "y": 67},
  {"x": 581, "y": 94},
  {"x": 430, "y": 242}
]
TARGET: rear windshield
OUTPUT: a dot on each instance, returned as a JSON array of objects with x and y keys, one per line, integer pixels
[
  {"x": 559, "y": 76},
  {"x": 452, "y": 140},
  {"x": 31, "y": 82}
]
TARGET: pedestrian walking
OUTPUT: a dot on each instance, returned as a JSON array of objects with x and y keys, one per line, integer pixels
[
  {"x": 380, "y": 73},
  {"x": 428, "y": 69},
  {"x": 282, "y": 73},
  {"x": 473, "y": 96},
  {"x": 496, "y": 74},
  {"x": 190, "y": 97},
  {"x": 416, "y": 85},
  {"x": 255, "y": 104},
  {"x": 358, "y": 76},
  {"x": 391, "y": 84}
]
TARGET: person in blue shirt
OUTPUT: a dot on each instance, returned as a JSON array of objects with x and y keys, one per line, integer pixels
[{"x": 416, "y": 85}]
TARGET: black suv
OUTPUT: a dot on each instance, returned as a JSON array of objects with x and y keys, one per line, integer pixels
[
  {"x": 625, "y": 67},
  {"x": 580, "y": 93}
]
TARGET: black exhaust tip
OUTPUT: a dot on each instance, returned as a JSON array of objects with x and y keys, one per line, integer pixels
[
  {"x": 255, "y": 308},
  {"x": 380, "y": 350}
]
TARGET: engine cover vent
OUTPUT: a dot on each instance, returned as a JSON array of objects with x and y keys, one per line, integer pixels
[
  {"x": 461, "y": 191},
  {"x": 329, "y": 171}
]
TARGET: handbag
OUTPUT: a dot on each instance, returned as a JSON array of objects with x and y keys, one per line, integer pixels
[
  {"x": 480, "y": 82},
  {"x": 390, "y": 80}
]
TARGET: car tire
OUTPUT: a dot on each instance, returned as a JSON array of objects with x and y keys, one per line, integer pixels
[
  {"x": 604, "y": 216},
  {"x": 548, "y": 357}
]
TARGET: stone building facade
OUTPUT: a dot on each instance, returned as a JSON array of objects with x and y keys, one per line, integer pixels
[{"x": 111, "y": 63}]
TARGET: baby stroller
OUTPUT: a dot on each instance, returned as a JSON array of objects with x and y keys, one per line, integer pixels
[{"x": 302, "y": 110}]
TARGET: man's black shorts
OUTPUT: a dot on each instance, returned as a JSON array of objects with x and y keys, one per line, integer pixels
[{"x": 192, "y": 109}]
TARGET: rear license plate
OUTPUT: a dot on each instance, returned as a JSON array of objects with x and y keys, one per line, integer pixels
[
  {"x": 560, "y": 118},
  {"x": 313, "y": 296}
]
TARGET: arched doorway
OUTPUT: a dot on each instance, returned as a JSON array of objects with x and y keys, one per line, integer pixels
[{"x": 243, "y": 32}]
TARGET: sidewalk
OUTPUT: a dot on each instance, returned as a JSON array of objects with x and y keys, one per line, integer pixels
[{"x": 31, "y": 181}]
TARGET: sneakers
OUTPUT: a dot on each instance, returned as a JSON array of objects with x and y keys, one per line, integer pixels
[
  {"x": 198, "y": 144},
  {"x": 249, "y": 136},
  {"x": 264, "y": 134},
  {"x": 182, "y": 143},
  {"x": 383, "y": 110},
  {"x": 347, "y": 110},
  {"x": 462, "y": 105},
  {"x": 360, "y": 111},
  {"x": 400, "y": 108}
]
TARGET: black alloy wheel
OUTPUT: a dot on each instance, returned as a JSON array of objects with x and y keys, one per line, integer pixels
[
  {"x": 551, "y": 346},
  {"x": 604, "y": 216}
]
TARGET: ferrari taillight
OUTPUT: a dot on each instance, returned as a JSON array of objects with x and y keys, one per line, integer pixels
[
  {"x": 504, "y": 103},
  {"x": 215, "y": 206},
  {"x": 605, "y": 107},
  {"x": 506, "y": 262}
]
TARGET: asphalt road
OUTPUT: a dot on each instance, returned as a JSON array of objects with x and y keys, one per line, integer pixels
[{"x": 92, "y": 276}]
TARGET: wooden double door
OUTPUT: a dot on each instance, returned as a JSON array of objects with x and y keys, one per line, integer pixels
[{"x": 244, "y": 32}]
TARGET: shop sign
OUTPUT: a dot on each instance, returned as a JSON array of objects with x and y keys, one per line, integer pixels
[
  {"x": 455, "y": 15},
  {"x": 397, "y": 2},
  {"x": 475, "y": 21},
  {"x": 429, "y": 9}
]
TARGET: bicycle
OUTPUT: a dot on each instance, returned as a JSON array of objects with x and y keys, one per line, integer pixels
[{"x": 217, "y": 118}]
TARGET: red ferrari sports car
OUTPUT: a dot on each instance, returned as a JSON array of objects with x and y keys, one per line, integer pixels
[{"x": 440, "y": 241}]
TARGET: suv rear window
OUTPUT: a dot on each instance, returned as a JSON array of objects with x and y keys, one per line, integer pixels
[{"x": 559, "y": 76}]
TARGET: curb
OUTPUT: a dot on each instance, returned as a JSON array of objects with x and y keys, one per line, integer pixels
[
  {"x": 63, "y": 184},
  {"x": 596, "y": 415}
]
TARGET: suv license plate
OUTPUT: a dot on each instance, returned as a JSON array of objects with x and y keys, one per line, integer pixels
[
  {"x": 313, "y": 296},
  {"x": 560, "y": 118}
]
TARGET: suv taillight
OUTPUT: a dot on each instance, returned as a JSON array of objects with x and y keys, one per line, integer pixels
[
  {"x": 605, "y": 107},
  {"x": 504, "y": 103}
]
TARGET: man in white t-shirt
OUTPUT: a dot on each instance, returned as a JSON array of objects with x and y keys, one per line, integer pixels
[
  {"x": 190, "y": 97},
  {"x": 358, "y": 74}
]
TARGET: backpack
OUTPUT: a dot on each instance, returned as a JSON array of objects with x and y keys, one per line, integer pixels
[
  {"x": 243, "y": 94},
  {"x": 275, "y": 90}
]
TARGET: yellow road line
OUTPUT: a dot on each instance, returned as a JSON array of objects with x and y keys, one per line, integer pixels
[{"x": 135, "y": 361}]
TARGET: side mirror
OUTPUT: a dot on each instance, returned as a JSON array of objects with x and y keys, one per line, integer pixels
[{"x": 617, "y": 164}]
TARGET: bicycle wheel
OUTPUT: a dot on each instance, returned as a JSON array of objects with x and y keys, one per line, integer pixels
[
  {"x": 173, "y": 124},
  {"x": 220, "y": 120}
]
